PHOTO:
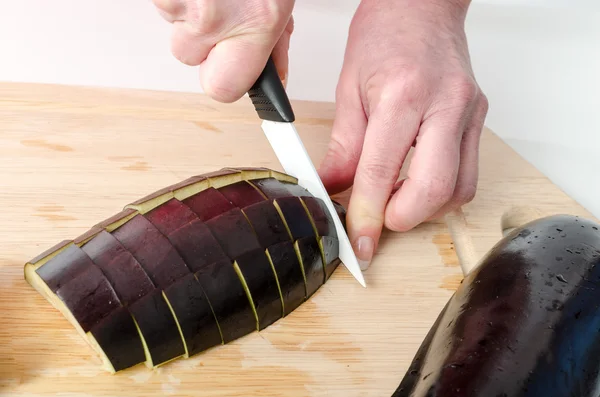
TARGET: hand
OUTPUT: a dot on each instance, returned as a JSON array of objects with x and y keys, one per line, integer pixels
[
  {"x": 406, "y": 79},
  {"x": 230, "y": 40}
]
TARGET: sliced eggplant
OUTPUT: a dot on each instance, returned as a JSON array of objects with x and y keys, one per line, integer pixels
[
  {"x": 524, "y": 323},
  {"x": 89, "y": 297},
  {"x": 242, "y": 194},
  {"x": 234, "y": 233},
  {"x": 267, "y": 224},
  {"x": 158, "y": 328},
  {"x": 63, "y": 267},
  {"x": 191, "y": 266},
  {"x": 152, "y": 250},
  {"x": 124, "y": 272},
  {"x": 290, "y": 275},
  {"x": 262, "y": 287},
  {"x": 331, "y": 250},
  {"x": 208, "y": 204},
  {"x": 194, "y": 315},
  {"x": 307, "y": 249},
  {"x": 228, "y": 299},
  {"x": 116, "y": 337}
]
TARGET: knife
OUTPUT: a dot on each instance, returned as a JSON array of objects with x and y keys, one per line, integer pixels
[{"x": 275, "y": 110}]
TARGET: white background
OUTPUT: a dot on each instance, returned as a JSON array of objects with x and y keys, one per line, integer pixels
[{"x": 537, "y": 60}]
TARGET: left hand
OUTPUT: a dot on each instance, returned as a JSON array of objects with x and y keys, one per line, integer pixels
[{"x": 406, "y": 78}]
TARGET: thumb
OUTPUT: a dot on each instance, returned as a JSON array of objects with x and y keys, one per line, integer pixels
[{"x": 233, "y": 65}]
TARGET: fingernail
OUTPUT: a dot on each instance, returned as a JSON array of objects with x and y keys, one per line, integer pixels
[{"x": 364, "y": 247}]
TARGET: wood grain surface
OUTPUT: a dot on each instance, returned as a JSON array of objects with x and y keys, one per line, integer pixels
[{"x": 73, "y": 156}]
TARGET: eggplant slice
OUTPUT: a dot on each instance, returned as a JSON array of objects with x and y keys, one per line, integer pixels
[
  {"x": 191, "y": 266},
  {"x": 524, "y": 323}
]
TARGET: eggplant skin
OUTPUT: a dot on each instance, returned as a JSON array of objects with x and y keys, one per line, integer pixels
[
  {"x": 190, "y": 266},
  {"x": 524, "y": 323}
]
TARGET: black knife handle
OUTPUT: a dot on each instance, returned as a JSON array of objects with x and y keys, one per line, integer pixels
[{"x": 269, "y": 97}]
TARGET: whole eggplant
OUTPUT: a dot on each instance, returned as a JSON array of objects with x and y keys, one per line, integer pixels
[{"x": 524, "y": 323}]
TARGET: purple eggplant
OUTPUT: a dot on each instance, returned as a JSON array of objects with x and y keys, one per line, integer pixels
[{"x": 524, "y": 323}]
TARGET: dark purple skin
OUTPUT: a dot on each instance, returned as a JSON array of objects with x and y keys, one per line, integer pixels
[
  {"x": 152, "y": 250},
  {"x": 233, "y": 233},
  {"x": 296, "y": 217},
  {"x": 158, "y": 327},
  {"x": 242, "y": 194},
  {"x": 228, "y": 300},
  {"x": 262, "y": 284},
  {"x": 525, "y": 323},
  {"x": 208, "y": 203},
  {"x": 119, "y": 339},
  {"x": 310, "y": 254},
  {"x": 267, "y": 223},
  {"x": 273, "y": 188},
  {"x": 331, "y": 250},
  {"x": 289, "y": 273},
  {"x": 89, "y": 297},
  {"x": 124, "y": 272},
  {"x": 64, "y": 266},
  {"x": 321, "y": 216},
  {"x": 194, "y": 314}
]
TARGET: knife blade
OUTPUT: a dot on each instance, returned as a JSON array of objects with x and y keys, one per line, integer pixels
[{"x": 275, "y": 110}]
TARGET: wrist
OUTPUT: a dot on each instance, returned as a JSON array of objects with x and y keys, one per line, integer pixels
[{"x": 445, "y": 9}]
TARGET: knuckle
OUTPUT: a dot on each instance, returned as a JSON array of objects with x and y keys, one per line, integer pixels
[
  {"x": 376, "y": 173},
  {"x": 484, "y": 103},
  {"x": 204, "y": 18},
  {"x": 220, "y": 92},
  {"x": 465, "y": 194},
  {"x": 170, "y": 7},
  {"x": 438, "y": 190},
  {"x": 465, "y": 90},
  {"x": 400, "y": 86},
  {"x": 271, "y": 15}
]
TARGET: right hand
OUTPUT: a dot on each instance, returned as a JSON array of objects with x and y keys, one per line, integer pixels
[{"x": 230, "y": 40}]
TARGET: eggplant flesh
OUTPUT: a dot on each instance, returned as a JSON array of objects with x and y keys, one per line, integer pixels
[
  {"x": 191, "y": 266},
  {"x": 524, "y": 323}
]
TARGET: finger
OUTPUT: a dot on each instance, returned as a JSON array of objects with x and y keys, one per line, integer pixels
[
  {"x": 170, "y": 10},
  {"x": 280, "y": 51},
  {"x": 390, "y": 132},
  {"x": 468, "y": 173},
  {"x": 233, "y": 66},
  {"x": 187, "y": 46},
  {"x": 338, "y": 167},
  {"x": 432, "y": 174}
]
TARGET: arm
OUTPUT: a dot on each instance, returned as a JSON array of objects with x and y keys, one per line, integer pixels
[{"x": 406, "y": 79}]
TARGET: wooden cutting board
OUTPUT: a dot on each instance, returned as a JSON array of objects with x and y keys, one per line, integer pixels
[{"x": 70, "y": 157}]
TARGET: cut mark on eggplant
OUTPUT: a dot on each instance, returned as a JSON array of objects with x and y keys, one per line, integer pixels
[
  {"x": 118, "y": 340},
  {"x": 185, "y": 349},
  {"x": 211, "y": 309},
  {"x": 261, "y": 283},
  {"x": 247, "y": 290},
  {"x": 287, "y": 227},
  {"x": 126, "y": 275},
  {"x": 158, "y": 327},
  {"x": 148, "y": 361},
  {"x": 316, "y": 231},
  {"x": 271, "y": 264},
  {"x": 242, "y": 194},
  {"x": 154, "y": 252},
  {"x": 307, "y": 250},
  {"x": 283, "y": 312}
]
